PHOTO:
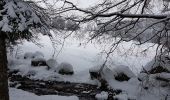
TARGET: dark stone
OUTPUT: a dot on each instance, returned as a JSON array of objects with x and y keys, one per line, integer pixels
[
  {"x": 146, "y": 88},
  {"x": 94, "y": 75},
  {"x": 38, "y": 63},
  {"x": 121, "y": 77},
  {"x": 162, "y": 79},
  {"x": 63, "y": 72},
  {"x": 97, "y": 75}
]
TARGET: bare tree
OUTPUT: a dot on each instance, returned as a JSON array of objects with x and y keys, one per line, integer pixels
[{"x": 139, "y": 20}]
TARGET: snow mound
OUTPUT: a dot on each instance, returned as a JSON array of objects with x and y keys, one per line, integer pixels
[
  {"x": 16, "y": 94},
  {"x": 159, "y": 64},
  {"x": 38, "y": 62},
  {"x": 95, "y": 69},
  {"x": 123, "y": 70},
  {"x": 65, "y": 68},
  {"x": 31, "y": 55},
  {"x": 121, "y": 97},
  {"x": 52, "y": 63},
  {"x": 102, "y": 96},
  {"x": 28, "y": 55},
  {"x": 38, "y": 54},
  {"x": 115, "y": 71},
  {"x": 118, "y": 73}
]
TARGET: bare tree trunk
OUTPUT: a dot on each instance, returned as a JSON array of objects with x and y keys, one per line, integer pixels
[{"x": 4, "y": 95}]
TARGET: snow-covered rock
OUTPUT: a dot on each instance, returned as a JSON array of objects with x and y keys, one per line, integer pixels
[
  {"x": 123, "y": 69},
  {"x": 118, "y": 72},
  {"x": 31, "y": 55},
  {"x": 156, "y": 72},
  {"x": 38, "y": 62},
  {"x": 102, "y": 96},
  {"x": 38, "y": 54},
  {"x": 65, "y": 68},
  {"x": 160, "y": 63},
  {"x": 52, "y": 63},
  {"x": 95, "y": 69},
  {"x": 28, "y": 55},
  {"x": 17, "y": 94},
  {"x": 121, "y": 97}
]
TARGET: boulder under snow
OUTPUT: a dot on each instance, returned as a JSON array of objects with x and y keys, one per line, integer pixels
[
  {"x": 51, "y": 63},
  {"x": 156, "y": 71},
  {"x": 159, "y": 64},
  {"x": 119, "y": 72},
  {"x": 31, "y": 55},
  {"x": 28, "y": 55},
  {"x": 102, "y": 96},
  {"x": 65, "y": 69}
]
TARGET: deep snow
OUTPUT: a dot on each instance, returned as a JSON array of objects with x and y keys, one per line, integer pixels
[
  {"x": 85, "y": 57},
  {"x": 16, "y": 94}
]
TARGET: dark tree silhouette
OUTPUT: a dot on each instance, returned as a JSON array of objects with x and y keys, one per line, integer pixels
[{"x": 17, "y": 19}]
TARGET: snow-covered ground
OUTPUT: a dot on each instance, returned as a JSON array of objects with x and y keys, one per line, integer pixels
[
  {"x": 16, "y": 94},
  {"x": 82, "y": 58}
]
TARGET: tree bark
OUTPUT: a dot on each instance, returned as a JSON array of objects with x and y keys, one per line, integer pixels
[{"x": 4, "y": 94}]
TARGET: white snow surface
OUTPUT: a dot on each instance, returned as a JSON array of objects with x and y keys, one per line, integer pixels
[
  {"x": 28, "y": 55},
  {"x": 82, "y": 59},
  {"x": 102, "y": 96},
  {"x": 16, "y": 94}
]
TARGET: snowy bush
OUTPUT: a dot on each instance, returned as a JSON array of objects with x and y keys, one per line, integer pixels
[
  {"x": 51, "y": 63},
  {"x": 65, "y": 68},
  {"x": 102, "y": 96}
]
